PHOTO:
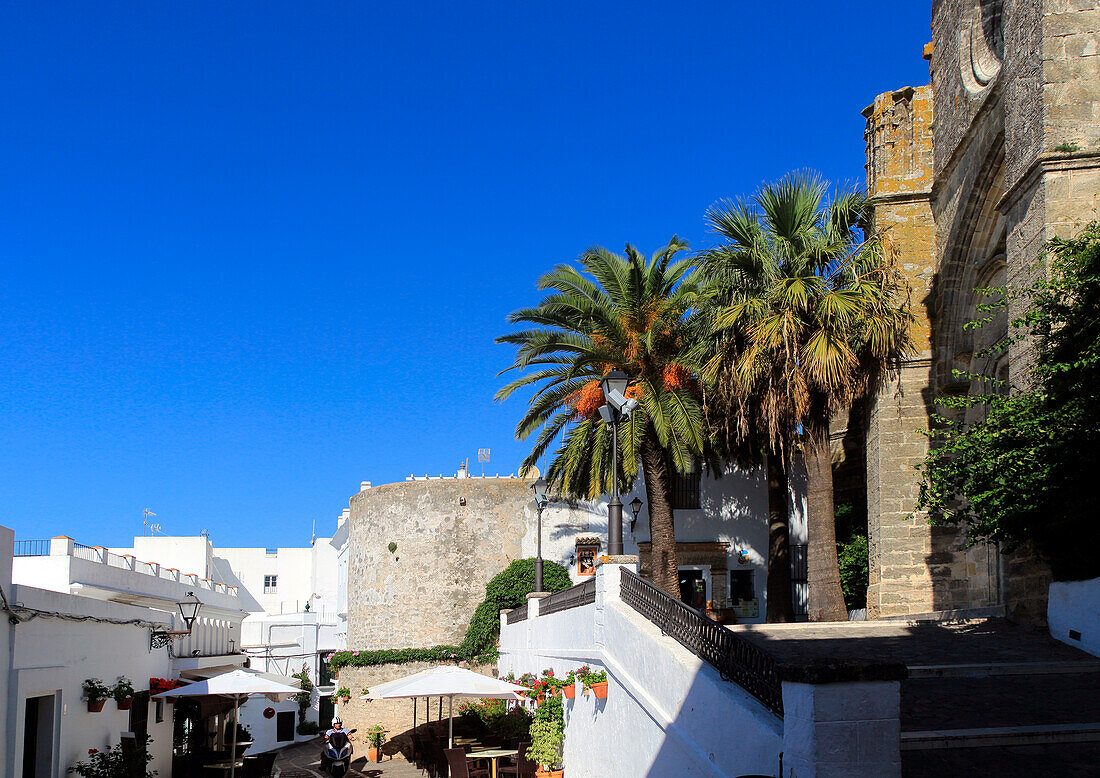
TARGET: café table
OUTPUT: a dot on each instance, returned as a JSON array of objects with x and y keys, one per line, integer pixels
[{"x": 492, "y": 754}]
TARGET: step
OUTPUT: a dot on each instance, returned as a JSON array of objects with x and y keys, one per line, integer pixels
[
  {"x": 982, "y": 670},
  {"x": 1000, "y": 736}
]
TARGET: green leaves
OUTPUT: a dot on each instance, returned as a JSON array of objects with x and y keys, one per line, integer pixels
[
  {"x": 805, "y": 311},
  {"x": 614, "y": 311},
  {"x": 1020, "y": 472}
]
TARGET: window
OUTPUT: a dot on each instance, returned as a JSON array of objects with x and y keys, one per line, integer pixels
[
  {"x": 272, "y": 552},
  {"x": 685, "y": 490},
  {"x": 271, "y": 584}
]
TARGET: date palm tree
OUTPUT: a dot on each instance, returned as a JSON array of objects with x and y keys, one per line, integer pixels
[
  {"x": 623, "y": 313},
  {"x": 807, "y": 312}
]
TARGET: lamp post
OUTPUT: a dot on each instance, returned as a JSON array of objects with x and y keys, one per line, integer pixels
[
  {"x": 635, "y": 507},
  {"x": 189, "y": 611},
  {"x": 541, "y": 501},
  {"x": 617, "y": 408}
]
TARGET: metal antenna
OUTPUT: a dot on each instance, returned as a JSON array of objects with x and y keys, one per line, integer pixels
[{"x": 145, "y": 521}]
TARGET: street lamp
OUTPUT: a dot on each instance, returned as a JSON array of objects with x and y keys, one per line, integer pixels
[
  {"x": 541, "y": 501},
  {"x": 635, "y": 506},
  {"x": 189, "y": 610},
  {"x": 618, "y": 407}
]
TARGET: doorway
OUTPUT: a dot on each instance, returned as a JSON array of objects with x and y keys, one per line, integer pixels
[
  {"x": 695, "y": 585},
  {"x": 38, "y": 734}
]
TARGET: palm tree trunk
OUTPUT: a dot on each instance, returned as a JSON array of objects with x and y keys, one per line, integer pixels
[
  {"x": 662, "y": 532},
  {"x": 826, "y": 594},
  {"x": 780, "y": 604}
]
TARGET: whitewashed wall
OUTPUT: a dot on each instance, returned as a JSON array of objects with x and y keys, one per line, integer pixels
[
  {"x": 1075, "y": 606},
  {"x": 53, "y": 657},
  {"x": 732, "y": 509},
  {"x": 667, "y": 712},
  {"x": 7, "y": 543}
]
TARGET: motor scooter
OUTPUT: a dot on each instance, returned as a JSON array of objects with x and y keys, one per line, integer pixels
[{"x": 336, "y": 754}]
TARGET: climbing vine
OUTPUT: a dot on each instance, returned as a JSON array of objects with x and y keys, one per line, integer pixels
[{"x": 1023, "y": 471}]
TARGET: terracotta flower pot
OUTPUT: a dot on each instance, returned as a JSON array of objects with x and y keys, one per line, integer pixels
[
  {"x": 125, "y": 703},
  {"x": 95, "y": 706},
  {"x": 570, "y": 691},
  {"x": 374, "y": 754},
  {"x": 599, "y": 690},
  {"x": 542, "y": 773}
]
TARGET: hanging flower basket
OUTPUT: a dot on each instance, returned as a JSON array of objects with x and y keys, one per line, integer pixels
[
  {"x": 124, "y": 703},
  {"x": 95, "y": 706},
  {"x": 599, "y": 690},
  {"x": 569, "y": 691}
]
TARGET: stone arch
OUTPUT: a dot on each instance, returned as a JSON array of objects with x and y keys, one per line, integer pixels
[{"x": 975, "y": 259}]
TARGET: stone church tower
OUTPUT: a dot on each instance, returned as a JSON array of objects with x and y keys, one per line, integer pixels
[{"x": 972, "y": 175}]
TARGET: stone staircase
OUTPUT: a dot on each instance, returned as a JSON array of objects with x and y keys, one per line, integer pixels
[{"x": 1030, "y": 707}]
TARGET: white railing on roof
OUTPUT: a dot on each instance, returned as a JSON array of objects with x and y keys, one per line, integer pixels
[{"x": 101, "y": 555}]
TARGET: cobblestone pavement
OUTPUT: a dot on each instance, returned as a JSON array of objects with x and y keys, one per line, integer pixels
[{"x": 303, "y": 760}]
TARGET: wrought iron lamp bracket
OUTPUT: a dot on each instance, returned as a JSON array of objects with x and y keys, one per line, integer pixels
[{"x": 159, "y": 638}]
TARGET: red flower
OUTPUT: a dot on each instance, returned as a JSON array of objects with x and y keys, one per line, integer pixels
[{"x": 93, "y": 750}]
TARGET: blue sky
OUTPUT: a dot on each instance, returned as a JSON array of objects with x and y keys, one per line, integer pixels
[{"x": 252, "y": 254}]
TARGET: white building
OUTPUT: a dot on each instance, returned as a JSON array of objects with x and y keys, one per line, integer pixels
[
  {"x": 295, "y": 598},
  {"x": 75, "y": 612},
  {"x": 721, "y": 535}
]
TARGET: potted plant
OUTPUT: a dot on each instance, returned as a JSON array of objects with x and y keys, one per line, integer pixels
[
  {"x": 569, "y": 685},
  {"x": 547, "y": 735},
  {"x": 96, "y": 692},
  {"x": 116, "y": 762},
  {"x": 123, "y": 692},
  {"x": 342, "y": 695},
  {"x": 376, "y": 736},
  {"x": 596, "y": 681}
]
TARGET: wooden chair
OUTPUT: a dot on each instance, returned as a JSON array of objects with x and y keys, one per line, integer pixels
[
  {"x": 460, "y": 768},
  {"x": 523, "y": 768}
]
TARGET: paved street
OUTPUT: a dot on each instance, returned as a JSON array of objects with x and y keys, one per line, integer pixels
[{"x": 303, "y": 761}]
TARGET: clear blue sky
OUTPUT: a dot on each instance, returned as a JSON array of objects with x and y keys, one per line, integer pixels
[{"x": 254, "y": 253}]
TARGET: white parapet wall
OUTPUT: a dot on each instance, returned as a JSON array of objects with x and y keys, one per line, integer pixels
[
  {"x": 1073, "y": 613},
  {"x": 667, "y": 712}
]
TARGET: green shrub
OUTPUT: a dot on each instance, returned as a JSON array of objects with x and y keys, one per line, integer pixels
[
  {"x": 852, "y": 559},
  {"x": 495, "y": 716},
  {"x": 308, "y": 728}
]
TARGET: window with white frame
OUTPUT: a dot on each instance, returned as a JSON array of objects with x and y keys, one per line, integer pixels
[{"x": 271, "y": 584}]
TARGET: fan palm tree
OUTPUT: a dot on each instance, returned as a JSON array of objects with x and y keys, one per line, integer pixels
[
  {"x": 807, "y": 312},
  {"x": 615, "y": 313}
]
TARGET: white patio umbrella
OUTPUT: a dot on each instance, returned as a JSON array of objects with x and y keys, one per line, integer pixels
[
  {"x": 446, "y": 681},
  {"x": 236, "y": 685}
]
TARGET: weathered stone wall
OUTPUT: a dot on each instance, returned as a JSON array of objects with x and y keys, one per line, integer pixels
[
  {"x": 424, "y": 593},
  {"x": 899, "y": 180},
  {"x": 394, "y": 715},
  {"x": 1012, "y": 159}
]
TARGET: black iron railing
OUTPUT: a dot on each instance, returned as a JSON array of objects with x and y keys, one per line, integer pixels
[
  {"x": 573, "y": 597},
  {"x": 517, "y": 614},
  {"x": 735, "y": 659},
  {"x": 32, "y": 548}
]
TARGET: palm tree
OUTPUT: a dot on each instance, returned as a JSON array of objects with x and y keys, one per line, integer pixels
[
  {"x": 615, "y": 313},
  {"x": 807, "y": 312}
]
